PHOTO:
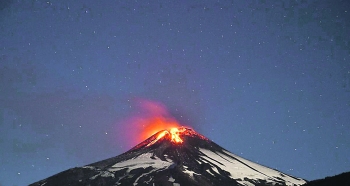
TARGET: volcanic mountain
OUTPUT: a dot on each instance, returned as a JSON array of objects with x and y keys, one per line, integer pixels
[{"x": 176, "y": 157}]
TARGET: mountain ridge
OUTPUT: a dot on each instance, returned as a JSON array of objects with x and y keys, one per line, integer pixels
[
  {"x": 339, "y": 179},
  {"x": 176, "y": 157}
]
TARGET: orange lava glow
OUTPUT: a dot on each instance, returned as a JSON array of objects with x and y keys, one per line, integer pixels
[
  {"x": 155, "y": 124},
  {"x": 149, "y": 118},
  {"x": 174, "y": 135}
]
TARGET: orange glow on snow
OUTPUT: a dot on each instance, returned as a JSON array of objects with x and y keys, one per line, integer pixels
[{"x": 161, "y": 135}]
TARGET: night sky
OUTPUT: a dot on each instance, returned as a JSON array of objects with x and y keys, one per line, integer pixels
[{"x": 269, "y": 82}]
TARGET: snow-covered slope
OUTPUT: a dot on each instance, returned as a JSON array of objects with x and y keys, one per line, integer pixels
[
  {"x": 241, "y": 169},
  {"x": 161, "y": 161}
]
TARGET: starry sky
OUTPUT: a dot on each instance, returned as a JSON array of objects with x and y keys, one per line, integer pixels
[{"x": 267, "y": 80}]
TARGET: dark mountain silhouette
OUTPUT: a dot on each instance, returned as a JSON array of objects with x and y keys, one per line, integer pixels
[
  {"x": 338, "y": 180},
  {"x": 180, "y": 156}
]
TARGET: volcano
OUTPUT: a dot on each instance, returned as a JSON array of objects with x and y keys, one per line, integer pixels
[{"x": 175, "y": 157}]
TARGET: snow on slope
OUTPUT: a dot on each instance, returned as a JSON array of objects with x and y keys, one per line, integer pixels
[
  {"x": 240, "y": 168},
  {"x": 143, "y": 161}
]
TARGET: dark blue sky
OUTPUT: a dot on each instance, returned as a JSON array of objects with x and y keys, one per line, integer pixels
[{"x": 268, "y": 81}]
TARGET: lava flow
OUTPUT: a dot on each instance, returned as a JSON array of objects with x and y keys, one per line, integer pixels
[{"x": 174, "y": 135}]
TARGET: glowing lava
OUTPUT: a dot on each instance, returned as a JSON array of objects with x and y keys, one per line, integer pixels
[
  {"x": 154, "y": 124},
  {"x": 173, "y": 133}
]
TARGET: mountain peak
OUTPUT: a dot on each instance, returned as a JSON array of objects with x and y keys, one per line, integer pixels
[
  {"x": 178, "y": 156},
  {"x": 176, "y": 136}
]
